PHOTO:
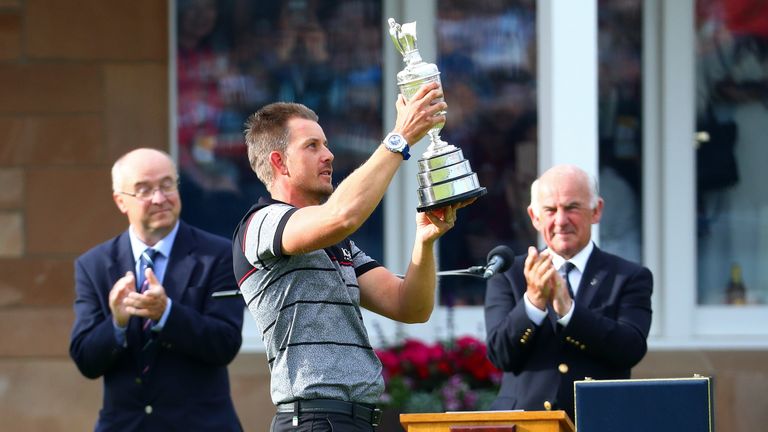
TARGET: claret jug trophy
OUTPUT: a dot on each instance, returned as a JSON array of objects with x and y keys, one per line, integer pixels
[{"x": 445, "y": 177}]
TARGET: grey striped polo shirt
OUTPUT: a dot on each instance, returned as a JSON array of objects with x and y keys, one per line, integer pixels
[{"x": 307, "y": 308}]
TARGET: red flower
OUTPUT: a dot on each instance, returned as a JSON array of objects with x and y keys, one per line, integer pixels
[
  {"x": 451, "y": 370},
  {"x": 390, "y": 364},
  {"x": 415, "y": 357}
]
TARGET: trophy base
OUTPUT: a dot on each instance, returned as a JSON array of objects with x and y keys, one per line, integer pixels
[
  {"x": 452, "y": 200},
  {"x": 446, "y": 179}
]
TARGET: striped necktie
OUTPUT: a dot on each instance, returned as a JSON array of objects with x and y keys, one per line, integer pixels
[
  {"x": 146, "y": 261},
  {"x": 567, "y": 267}
]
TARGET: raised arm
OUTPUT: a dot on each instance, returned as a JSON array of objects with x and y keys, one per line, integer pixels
[
  {"x": 353, "y": 201},
  {"x": 412, "y": 298}
]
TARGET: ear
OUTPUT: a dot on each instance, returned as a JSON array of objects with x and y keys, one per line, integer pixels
[
  {"x": 120, "y": 202},
  {"x": 278, "y": 162},
  {"x": 597, "y": 212},
  {"x": 534, "y": 218}
]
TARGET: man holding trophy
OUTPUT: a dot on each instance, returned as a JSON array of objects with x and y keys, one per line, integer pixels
[{"x": 304, "y": 280}]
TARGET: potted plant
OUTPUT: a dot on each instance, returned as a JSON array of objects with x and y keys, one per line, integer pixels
[{"x": 446, "y": 376}]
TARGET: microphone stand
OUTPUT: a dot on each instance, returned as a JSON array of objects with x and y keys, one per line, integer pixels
[
  {"x": 223, "y": 294},
  {"x": 474, "y": 271}
]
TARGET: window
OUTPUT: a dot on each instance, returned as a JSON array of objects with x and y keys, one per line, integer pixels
[
  {"x": 487, "y": 58},
  {"x": 620, "y": 37},
  {"x": 732, "y": 113},
  {"x": 235, "y": 56}
]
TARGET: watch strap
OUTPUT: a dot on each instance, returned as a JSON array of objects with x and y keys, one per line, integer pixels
[{"x": 406, "y": 152}]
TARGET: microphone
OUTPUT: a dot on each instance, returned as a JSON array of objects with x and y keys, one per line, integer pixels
[{"x": 499, "y": 260}]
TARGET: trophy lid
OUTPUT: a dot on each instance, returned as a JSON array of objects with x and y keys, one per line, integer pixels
[{"x": 403, "y": 36}]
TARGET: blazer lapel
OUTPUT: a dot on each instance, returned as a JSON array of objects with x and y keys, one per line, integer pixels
[
  {"x": 122, "y": 261},
  {"x": 122, "y": 258},
  {"x": 181, "y": 263},
  {"x": 594, "y": 274}
]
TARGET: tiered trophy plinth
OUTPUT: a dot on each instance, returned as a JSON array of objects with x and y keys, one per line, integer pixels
[{"x": 446, "y": 179}]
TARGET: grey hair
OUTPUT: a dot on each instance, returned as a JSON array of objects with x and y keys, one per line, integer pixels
[
  {"x": 594, "y": 191},
  {"x": 118, "y": 172}
]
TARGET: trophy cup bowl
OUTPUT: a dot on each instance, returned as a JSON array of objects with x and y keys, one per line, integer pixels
[{"x": 445, "y": 177}]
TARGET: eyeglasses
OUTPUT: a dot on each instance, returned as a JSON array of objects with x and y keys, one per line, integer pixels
[{"x": 145, "y": 192}]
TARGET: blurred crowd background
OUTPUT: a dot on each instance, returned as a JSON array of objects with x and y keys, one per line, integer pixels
[{"x": 234, "y": 57}]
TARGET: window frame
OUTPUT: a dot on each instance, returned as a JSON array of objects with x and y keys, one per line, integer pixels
[{"x": 669, "y": 242}]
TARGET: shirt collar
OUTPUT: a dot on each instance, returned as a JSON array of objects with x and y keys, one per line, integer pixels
[
  {"x": 579, "y": 260},
  {"x": 163, "y": 246}
]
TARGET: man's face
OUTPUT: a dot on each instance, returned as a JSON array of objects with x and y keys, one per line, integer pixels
[
  {"x": 563, "y": 214},
  {"x": 154, "y": 216},
  {"x": 308, "y": 160}
]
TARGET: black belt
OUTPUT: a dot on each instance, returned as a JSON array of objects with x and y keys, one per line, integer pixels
[{"x": 368, "y": 413}]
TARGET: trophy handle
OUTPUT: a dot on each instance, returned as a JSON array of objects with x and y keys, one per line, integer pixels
[
  {"x": 404, "y": 38},
  {"x": 394, "y": 32}
]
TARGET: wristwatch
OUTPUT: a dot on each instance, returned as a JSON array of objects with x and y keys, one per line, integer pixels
[{"x": 396, "y": 143}]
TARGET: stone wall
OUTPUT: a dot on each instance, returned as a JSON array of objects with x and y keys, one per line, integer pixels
[{"x": 81, "y": 82}]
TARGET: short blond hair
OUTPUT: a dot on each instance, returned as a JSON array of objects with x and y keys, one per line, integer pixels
[{"x": 267, "y": 130}]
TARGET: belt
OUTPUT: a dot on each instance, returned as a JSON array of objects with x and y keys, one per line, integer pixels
[{"x": 367, "y": 413}]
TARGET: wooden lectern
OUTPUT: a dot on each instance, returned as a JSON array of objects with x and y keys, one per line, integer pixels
[{"x": 488, "y": 421}]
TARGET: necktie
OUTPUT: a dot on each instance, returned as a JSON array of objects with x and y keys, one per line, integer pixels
[
  {"x": 146, "y": 261},
  {"x": 567, "y": 267}
]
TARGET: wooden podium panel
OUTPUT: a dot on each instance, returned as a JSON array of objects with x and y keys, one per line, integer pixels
[
  {"x": 519, "y": 421},
  {"x": 483, "y": 428}
]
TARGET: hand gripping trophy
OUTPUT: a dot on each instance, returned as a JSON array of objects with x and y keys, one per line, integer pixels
[{"x": 445, "y": 177}]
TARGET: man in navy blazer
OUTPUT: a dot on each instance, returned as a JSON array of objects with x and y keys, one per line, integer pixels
[
  {"x": 569, "y": 312},
  {"x": 146, "y": 322}
]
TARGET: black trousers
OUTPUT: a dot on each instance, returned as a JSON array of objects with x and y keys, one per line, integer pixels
[{"x": 319, "y": 422}]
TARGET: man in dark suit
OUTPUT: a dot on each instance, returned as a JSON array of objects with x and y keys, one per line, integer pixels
[
  {"x": 145, "y": 319},
  {"x": 569, "y": 312}
]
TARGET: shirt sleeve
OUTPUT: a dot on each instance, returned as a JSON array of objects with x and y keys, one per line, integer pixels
[
  {"x": 567, "y": 317},
  {"x": 159, "y": 325},
  {"x": 535, "y": 314},
  {"x": 263, "y": 236},
  {"x": 360, "y": 261},
  {"x": 120, "y": 335}
]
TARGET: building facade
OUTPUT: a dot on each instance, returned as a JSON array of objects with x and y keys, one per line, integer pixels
[{"x": 83, "y": 82}]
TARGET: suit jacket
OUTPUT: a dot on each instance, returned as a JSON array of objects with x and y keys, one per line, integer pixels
[
  {"x": 187, "y": 386},
  {"x": 604, "y": 339}
]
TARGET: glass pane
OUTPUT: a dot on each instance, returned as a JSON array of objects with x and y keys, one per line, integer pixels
[
  {"x": 487, "y": 60},
  {"x": 236, "y": 56},
  {"x": 620, "y": 36},
  {"x": 732, "y": 116}
]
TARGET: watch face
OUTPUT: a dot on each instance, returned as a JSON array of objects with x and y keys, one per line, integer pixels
[{"x": 396, "y": 142}]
